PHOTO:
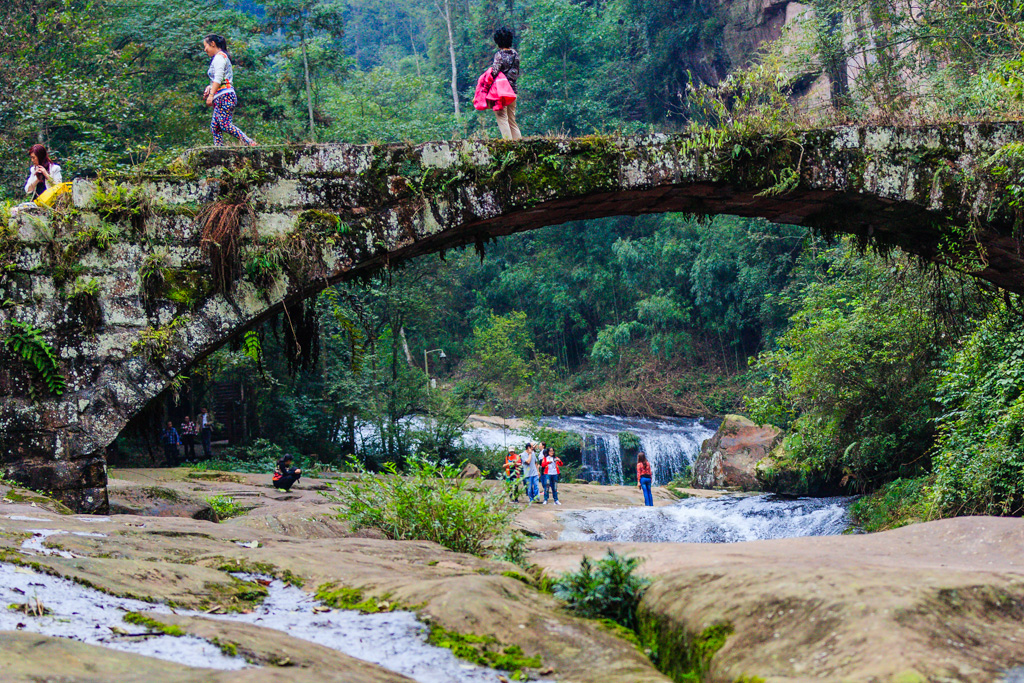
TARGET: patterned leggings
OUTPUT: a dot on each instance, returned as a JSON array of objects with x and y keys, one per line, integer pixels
[{"x": 223, "y": 108}]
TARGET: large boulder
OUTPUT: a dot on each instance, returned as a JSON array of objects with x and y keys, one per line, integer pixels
[{"x": 729, "y": 458}]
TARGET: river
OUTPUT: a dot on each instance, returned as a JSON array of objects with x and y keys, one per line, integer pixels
[{"x": 727, "y": 519}]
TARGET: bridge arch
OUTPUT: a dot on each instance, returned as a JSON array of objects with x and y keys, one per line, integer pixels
[{"x": 126, "y": 292}]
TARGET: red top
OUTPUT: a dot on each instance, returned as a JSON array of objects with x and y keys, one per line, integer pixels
[
  {"x": 545, "y": 461},
  {"x": 643, "y": 469}
]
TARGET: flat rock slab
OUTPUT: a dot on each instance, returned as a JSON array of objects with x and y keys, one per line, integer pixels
[
  {"x": 937, "y": 601},
  {"x": 33, "y": 658},
  {"x": 186, "y": 562}
]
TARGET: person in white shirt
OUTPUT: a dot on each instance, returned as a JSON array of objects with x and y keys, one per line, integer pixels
[
  {"x": 43, "y": 173},
  {"x": 220, "y": 94},
  {"x": 206, "y": 430}
]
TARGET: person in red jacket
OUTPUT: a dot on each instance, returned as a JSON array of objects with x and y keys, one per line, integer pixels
[
  {"x": 644, "y": 476},
  {"x": 550, "y": 467}
]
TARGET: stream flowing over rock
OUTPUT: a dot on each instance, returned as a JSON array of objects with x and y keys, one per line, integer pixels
[
  {"x": 729, "y": 458},
  {"x": 729, "y": 519}
]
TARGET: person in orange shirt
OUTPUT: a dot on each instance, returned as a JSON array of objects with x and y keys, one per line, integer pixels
[
  {"x": 644, "y": 476},
  {"x": 513, "y": 474}
]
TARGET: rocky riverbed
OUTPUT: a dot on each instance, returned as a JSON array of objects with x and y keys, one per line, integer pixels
[{"x": 936, "y": 601}]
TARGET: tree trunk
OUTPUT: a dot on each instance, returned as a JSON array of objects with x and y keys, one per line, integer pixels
[
  {"x": 309, "y": 89},
  {"x": 415, "y": 54},
  {"x": 446, "y": 14},
  {"x": 405, "y": 347}
]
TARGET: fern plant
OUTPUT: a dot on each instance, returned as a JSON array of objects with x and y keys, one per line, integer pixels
[{"x": 28, "y": 342}]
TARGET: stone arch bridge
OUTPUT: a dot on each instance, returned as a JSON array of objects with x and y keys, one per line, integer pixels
[{"x": 119, "y": 286}]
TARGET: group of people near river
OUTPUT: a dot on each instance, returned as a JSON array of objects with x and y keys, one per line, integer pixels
[{"x": 538, "y": 466}]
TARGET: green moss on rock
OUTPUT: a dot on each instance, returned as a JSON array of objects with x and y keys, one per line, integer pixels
[
  {"x": 682, "y": 655},
  {"x": 483, "y": 650},
  {"x": 152, "y": 624},
  {"x": 347, "y": 597}
]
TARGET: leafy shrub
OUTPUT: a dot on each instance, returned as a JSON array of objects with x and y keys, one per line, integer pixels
[
  {"x": 852, "y": 376},
  {"x": 898, "y": 503},
  {"x": 607, "y": 589},
  {"x": 227, "y": 463},
  {"x": 514, "y": 550},
  {"x": 979, "y": 457},
  {"x": 431, "y": 503},
  {"x": 225, "y": 506}
]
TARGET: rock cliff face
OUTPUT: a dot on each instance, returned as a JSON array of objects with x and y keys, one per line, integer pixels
[{"x": 729, "y": 458}]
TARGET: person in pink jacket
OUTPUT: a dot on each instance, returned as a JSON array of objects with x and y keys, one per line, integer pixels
[{"x": 506, "y": 61}]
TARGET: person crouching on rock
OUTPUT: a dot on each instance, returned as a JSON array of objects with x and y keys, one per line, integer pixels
[{"x": 285, "y": 475}]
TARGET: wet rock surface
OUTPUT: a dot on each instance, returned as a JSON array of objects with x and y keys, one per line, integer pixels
[
  {"x": 729, "y": 458},
  {"x": 940, "y": 601},
  {"x": 188, "y": 563}
]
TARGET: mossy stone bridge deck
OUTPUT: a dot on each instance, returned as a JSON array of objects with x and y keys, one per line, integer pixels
[{"x": 124, "y": 293}]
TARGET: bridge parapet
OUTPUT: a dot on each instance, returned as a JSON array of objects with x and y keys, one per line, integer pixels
[{"x": 123, "y": 289}]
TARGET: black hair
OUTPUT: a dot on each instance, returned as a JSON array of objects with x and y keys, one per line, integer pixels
[
  {"x": 503, "y": 37},
  {"x": 219, "y": 41}
]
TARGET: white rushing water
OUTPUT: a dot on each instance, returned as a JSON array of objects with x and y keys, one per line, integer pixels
[
  {"x": 671, "y": 444},
  {"x": 728, "y": 519},
  {"x": 395, "y": 641}
]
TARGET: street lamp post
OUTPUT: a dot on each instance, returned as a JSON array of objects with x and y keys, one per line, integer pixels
[{"x": 426, "y": 368}]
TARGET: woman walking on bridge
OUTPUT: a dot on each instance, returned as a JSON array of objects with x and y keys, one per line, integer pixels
[{"x": 220, "y": 94}]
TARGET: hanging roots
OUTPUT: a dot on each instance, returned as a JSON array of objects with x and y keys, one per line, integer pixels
[
  {"x": 302, "y": 336},
  {"x": 222, "y": 229}
]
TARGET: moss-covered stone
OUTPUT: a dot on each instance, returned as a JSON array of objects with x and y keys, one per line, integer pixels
[
  {"x": 683, "y": 655},
  {"x": 484, "y": 650},
  {"x": 347, "y": 597},
  {"x": 152, "y": 624},
  {"x": 236, "y": 596}
]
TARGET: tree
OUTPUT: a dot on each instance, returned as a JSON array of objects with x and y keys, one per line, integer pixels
[
  {"x": 444, "y": 9},
  {"x": 304, "y": 19}
]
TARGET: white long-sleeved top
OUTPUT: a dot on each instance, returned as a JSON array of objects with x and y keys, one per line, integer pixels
[
  {"x": 220, "y": 71},
  {"x": 55, "y": 179}
]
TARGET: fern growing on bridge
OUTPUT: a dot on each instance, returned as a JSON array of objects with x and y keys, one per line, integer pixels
[{"x": 28, "y": 342}]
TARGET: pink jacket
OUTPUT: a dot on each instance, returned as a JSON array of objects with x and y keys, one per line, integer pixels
[{"x": 493, "y": 92}]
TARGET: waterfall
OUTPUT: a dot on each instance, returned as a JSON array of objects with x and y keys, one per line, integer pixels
[{"x": 671, "y": 444}]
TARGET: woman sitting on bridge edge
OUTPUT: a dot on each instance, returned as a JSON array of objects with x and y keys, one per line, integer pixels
[
  {"x": 497, "y": 85},
  {"x": 42, "y": 174}
]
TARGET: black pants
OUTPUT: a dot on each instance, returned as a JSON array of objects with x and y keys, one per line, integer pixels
[
  {"x": 207, "y": 448},
  {"x": 286, "y": 482},
  {"x": 190, "y": 446},
  {"x": 171, "y": 454}
]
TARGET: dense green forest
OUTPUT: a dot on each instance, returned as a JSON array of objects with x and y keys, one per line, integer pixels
[{"x": 886, "y": 373}]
